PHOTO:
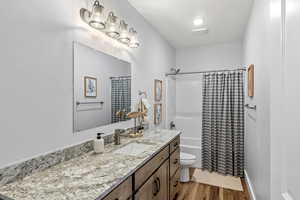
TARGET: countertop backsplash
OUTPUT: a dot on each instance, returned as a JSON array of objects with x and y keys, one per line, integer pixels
[{"x": 18, "y": 171}]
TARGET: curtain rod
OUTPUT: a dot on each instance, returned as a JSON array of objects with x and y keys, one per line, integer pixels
[
  {"x": 207, "y": 71},
  {"x": 119, "y": 77}
]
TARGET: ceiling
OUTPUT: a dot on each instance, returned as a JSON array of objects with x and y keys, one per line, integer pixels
[{"x": 225, "y": 19}]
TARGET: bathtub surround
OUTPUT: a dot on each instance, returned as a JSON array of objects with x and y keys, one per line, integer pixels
[{"x": 41, "y": 58}]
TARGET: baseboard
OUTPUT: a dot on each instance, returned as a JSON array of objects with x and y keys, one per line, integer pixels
[{"x": 250, "y": 186}]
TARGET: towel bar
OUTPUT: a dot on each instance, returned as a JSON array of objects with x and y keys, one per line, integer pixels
[{"x": 250, "y": 107}]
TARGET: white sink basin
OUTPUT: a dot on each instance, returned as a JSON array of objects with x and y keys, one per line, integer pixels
[{"x": 133, "y": 149}]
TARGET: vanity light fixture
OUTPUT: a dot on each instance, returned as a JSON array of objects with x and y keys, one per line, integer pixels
[
  {"x": 97, "y": 20},
  {"x": 110, "y": 26},
  {"x": 112, "y": 29},
  {"x": 134, "y": 43},
  {"x": 124, "y": 34}
]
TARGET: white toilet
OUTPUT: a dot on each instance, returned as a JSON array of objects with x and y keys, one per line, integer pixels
[{"x": 186, "y": 161}]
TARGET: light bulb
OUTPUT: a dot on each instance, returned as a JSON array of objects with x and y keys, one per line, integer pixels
[
  {"x": 134, "y": 43},
  {"x": 124, "y": 35},
  {"x": 112, "y": 29},
  {"x": 96, "y": 20}
]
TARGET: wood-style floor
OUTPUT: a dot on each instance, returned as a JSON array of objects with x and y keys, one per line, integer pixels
[{"x": 198, "y": 191}]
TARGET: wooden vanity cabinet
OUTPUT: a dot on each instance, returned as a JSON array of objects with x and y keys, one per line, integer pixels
[
  {"x": 174, "y": 162},
  {"x": 174, "y": 144},
  {"x": 157, "y": 179},
  {"x": 122, "y": 192},
  {"x": 157, "y": 186},
  {"x": 174, "y": 168},
  {"x": 175, "y": 186},
  {"x": 142, "y": 174}
]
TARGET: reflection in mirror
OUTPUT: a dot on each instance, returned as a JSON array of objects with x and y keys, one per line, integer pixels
[{"x": 102, "y": 88}]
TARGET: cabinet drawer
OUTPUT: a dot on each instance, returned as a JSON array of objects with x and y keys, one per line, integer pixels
[
  {"x": 156, "y": 187},
  {"x": 174, "y": 144},
  {"x": 174, "y": 162},
  {"x": 122, "y": 192},
  {"x": 144, "y": 172},
  {"x": 175, "y": 186}
]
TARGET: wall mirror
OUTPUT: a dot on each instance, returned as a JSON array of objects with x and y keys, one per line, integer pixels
[{"x": 102, "y": 88}]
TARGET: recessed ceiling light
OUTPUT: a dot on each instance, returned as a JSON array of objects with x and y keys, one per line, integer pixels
[{"x": 198, "y": 22}]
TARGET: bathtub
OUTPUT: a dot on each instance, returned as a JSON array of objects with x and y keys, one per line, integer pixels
[{"x": 192, "y": 145}]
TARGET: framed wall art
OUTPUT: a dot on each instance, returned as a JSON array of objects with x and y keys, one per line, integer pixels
[{"x": 90, "y": 87}]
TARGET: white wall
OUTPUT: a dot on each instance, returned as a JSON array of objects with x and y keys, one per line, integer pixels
[
  {"x": 272, "y": 43},
  {"x": 37, "y": 70},
  {"x": 210, "y": 57},
  {"x": 257, "y": 132},
  {"x": 289, "y": 137}
]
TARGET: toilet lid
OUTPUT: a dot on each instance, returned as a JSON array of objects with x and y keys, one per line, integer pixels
[{"x": 186, "y": 156}]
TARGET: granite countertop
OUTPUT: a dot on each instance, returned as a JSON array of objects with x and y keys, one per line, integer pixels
[{"x": 88, "y": 177}]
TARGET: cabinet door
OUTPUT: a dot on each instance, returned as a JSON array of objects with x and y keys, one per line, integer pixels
[
  {"x": 157, "y": 186},
  {"x": 174, "y": 144},
  {"x": 148, "y": 191},
  {"x": 122, "y": 192},
  {"x": 174, "y": 162},
  {"x": 175, "y": 186},
  {"x": 162, "y": 177},
  {"x": 145, "y": 172}
]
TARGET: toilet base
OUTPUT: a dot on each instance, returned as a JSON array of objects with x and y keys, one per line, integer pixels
[{"x": 184, "y": 174}]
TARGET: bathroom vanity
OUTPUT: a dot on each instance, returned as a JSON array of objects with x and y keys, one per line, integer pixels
[
  {"x": 157, "y": 179},
  {"x": 139, "y": 169}
]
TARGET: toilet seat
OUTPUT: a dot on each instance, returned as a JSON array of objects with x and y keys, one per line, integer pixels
[{"x": 187, "y": 156}]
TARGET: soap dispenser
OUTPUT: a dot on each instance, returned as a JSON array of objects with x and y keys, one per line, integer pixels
[{"x": 99, "y": 143}]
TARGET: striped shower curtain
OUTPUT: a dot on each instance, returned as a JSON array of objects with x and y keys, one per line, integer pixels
[
  {"x": 223, "y": 123},
  {"x": 120, "y": 98}
]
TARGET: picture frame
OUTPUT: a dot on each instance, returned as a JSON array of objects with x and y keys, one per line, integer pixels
[
  {"x": 157, "y": 113},
  {"x": 90, "y": 87},
  {"x": 250, "y": 74},
  {"x": 158, "y": 90}
]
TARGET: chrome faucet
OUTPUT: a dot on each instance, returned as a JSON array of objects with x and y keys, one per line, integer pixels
[
  {"x": 172, "y": 125},
  {"x": 117, "y": 136}
]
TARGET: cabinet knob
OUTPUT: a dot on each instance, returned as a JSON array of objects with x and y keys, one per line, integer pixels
[
  {"x": 175, "y": 161},
  {"x": 155, "y": 188},
  {"x": 158, "y": 182},
  {"x": 175, "y": 185},
  {"x": 161, "y": 159}
]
